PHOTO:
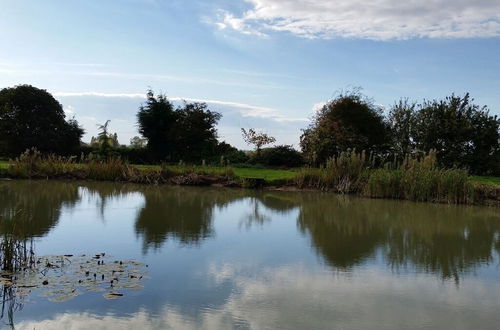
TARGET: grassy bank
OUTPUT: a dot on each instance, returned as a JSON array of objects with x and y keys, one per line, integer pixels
[{"x": 418, "y": 180}]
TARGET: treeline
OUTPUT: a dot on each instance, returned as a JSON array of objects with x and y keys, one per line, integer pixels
[{"x": 462, "y": 134}]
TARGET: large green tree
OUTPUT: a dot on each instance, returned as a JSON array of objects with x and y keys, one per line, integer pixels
[
  {"x": 187, "y": 132},
  {"x": 402, "y": 120},
  {"x": 463, "y": 134},
  {"x": 349, "y": 121},
  {"x": 32, "y": 117},
  {"x": 196, "y": 135},
  {"x": 156, "y": 119}
]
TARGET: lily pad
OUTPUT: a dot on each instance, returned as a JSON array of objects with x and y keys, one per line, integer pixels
[{"x": 62, "y": 278}]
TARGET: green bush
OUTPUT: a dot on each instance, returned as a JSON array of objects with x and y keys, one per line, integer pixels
[{"x": 279, "y": 156}]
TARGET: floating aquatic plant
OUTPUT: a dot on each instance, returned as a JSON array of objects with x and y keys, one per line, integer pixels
[{"x": 63, "y": 277}]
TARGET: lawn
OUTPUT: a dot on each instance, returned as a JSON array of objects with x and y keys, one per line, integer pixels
[
  {"x": 270, "y": 175},
  {"x": 4, "y": 164}
]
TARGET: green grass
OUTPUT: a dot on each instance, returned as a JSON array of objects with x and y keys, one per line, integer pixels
[
  {"x": 487, "y": 179},
  {"x": 273, "y": 175},
  {"x": 269, "y": 175}
]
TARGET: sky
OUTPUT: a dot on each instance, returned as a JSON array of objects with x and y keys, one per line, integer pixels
[{"x": 263, "y": 64}]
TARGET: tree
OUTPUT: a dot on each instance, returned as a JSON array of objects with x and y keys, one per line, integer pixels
[
  {"x": 31, "y": 117},
  {"x": 156, "y": 121},
  {"x": 258, "y": 139},
  {"x": 105, "y": 140},
  {"x": 462, "y": 133},
  {"x": 349, "y": 121},
  {"x": 138, "y": 143},
  {"x": 401, "y": 120},
  {"x": 187, "y": 132},
  {"x": 195, "y": 132}
]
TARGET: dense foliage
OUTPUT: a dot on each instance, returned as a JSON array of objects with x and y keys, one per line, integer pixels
[
  {"x": 156, "y": 121},
  {"x": 463, "y": 134},
  {"x": 279, "y": 156},
  {"x": 183, "y": 133},
  {"x": 31, "y": 117},
  {"x": 349, "y": 121}
]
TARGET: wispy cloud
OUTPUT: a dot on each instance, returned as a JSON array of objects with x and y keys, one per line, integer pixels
[
  {"x": 183, "y": 79},
  {"x": 367, "y": 19},
  {"x": 97, "y": 94},
  {"x": 90, "y": 69},
  {"x": 245, "y": 110}
]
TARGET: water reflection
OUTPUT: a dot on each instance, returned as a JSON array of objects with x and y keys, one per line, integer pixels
[
  {"x": 447, "y": 240},
  {"x": 255, "y": 262},
  {"x": 37, "y": 204},
  {"x": 179, "y": 214},
  {"x": 346, "y": 232}
]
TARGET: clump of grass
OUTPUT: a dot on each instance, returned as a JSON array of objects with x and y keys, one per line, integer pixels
[
  {"x": 419, "y": 179},
  {"x": 32, "y": 164},
  {"x": 112, "y": 169},
  {"x": 15, "y": 252},
  {"x": 344, "y": 174}
]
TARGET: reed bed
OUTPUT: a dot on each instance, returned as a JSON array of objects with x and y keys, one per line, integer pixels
[
  {"x": 416, "y": 179},
  {"x": 33, "y": 165}
]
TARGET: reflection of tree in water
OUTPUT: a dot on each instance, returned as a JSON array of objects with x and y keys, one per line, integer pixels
[
  {"x": 342, "y": 234},
  {"x": 184, "y": 214},
  {"x": 261, "y": 201},
  {"x": 447, "y": 240},
  {"x": 105, "y": 192},
  {"x": 39, "y": 203},
  {"x": 28, "y": 209}
]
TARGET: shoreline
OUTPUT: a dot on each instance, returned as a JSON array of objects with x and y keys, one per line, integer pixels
[{"x": 489, "y": 194}]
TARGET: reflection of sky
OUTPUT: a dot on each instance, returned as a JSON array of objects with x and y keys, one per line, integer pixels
[
  {"x": 292, "y": 296},
  {"x": 262, "y": 275}
]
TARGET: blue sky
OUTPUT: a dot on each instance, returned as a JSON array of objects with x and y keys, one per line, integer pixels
[{"x": 262, "y": 63}]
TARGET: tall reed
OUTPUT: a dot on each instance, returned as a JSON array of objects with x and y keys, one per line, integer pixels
[
  {"x": 420, "y": 179},
  {"x": 32, "y": 164},
  {"x": 416, "y": 178},
  {"x": 344, "y": 173}
]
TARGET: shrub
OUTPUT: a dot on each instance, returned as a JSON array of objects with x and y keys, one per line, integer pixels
[{"x": 283, "y": 155}]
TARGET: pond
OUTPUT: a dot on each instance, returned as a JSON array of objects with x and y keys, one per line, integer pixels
[{"x": 231, "y": 258}]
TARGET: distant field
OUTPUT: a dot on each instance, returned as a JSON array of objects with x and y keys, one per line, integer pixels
[{"x": 4, "y": 164}]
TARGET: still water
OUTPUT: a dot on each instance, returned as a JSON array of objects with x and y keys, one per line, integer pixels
[{"x": 230, "y": 258}]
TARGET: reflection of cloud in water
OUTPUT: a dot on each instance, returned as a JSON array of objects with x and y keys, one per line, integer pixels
[
  {"x": 294, "y": 297},
  {"x": 167, "y": 319}
]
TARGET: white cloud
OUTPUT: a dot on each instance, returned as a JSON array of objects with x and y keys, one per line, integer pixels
[
  {"x": 98, "y": 94},
  {"x": 69, "y": 110},
  {"x": 182, "y": 79},
  {"x": 90, "y": 108},
  {"x": 318, "y": 106},
  {"x": 368, "y": 19},
  {"x": 295, "y": 296},
  {"x": 245, "y": 110}
]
